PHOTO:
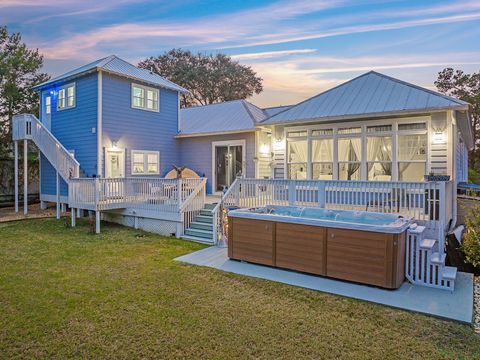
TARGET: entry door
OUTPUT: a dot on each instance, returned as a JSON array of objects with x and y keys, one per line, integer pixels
[
  {"x": 115, "y": 164},
  {"x": 228, "y": 165}
]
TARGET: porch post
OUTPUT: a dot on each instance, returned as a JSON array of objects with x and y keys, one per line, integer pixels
[
  {"x": 72, "y": 214},
  {"x": 58, "y": 194},
  {"x": 25, "y": 177},
  {"x": 16, "y": 175},
  {"x": 321, "y": 194},
  {"x": 97, "y": 222}
]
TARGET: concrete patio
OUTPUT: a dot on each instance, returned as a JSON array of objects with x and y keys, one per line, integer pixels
[{"x": 455, "y": 306}]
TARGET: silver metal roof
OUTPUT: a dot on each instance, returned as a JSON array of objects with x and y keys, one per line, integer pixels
[
  {"x": 370, "y": 94},
  {"x": 274, "y": 110},
  {"x": 230, "y": 116},
  {"x": 115, "y": 65}
]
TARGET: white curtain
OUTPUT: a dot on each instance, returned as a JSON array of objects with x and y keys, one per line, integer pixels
[
  {"x": 297, "y": 151},
  {"x": 322, "y": 150},
  {"x": 356, "y": 144},
  {"x": 408, "y": 147}
]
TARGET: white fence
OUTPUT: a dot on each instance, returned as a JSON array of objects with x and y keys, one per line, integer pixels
[
  {"x": 27, "y": 126},
  {"x": 429, "y": 203}
]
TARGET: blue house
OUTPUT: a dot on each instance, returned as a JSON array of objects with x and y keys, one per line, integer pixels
[{"x": 109, "y": 132}]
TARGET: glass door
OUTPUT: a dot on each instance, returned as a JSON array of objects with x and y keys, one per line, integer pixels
[
  {"x": 115, "y": 164},
  {"x": 228, "y": 165}
]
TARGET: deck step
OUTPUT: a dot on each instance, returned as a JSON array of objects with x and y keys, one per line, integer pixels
[
  {"x": 203, "y": 218},
  {"x": 197, "y": 239},
  {"x": 210, "y": 206},
  {"x": 449, "y": 273},
  {"x": 438, "y": 259},
  {"x": 418, "y": 229},
  {"x": 201, "y": 225},
  {"x": 206, "y": 212},
  {"x": 427, "y": 244},
  {"x": 200, "y": 233}
]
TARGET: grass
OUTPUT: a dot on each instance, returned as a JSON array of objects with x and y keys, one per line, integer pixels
[{"x": 65, "y": 293}]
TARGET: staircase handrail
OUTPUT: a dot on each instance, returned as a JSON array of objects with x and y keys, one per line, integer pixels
[
  {"x": 192, "y": 195},
  {"x": 36, "y": 123}
]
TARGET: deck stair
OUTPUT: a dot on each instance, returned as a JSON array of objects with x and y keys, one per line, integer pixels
[
  {"x": 425, "y": 261},
  {"x": 201, "y": 228}
]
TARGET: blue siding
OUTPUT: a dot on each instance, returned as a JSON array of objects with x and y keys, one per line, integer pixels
[
  {"x": 196, "y": 153},
  {"x": 48, "y": 179},
  {"x": 73, "y": 128},
  {"x": 135, "y": 129}
]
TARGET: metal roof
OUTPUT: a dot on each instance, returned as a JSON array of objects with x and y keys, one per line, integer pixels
[
  {"x": 115, "y": 65},
  {"x": 225, "y": 117},
  {"x": 274, "y": 110},
  {"x": 370, "y": 94}
]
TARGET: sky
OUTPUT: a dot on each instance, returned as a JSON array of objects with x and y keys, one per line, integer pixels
[{"x": 298, "y": 47}]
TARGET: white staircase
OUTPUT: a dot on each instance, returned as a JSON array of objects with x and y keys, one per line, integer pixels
[
  {"x": 28, "y": 127},
  {"x": 425, "y": 260}
]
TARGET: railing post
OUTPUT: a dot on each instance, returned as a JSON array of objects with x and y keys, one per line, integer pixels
[
  {"x": 291, "y": 193},
  {"x": 25, "y": 177},
  {"x": 16, "y": 175},
  {"x": 321, "y": 194},
  {"x": 442, "y": 206}
]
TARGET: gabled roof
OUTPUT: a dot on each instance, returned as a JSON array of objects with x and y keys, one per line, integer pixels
[
  {"x": 117, "y": 66},
  {"x": 225, "y": 117},
  {"x": 370, "y": 94},
  {"x": 274, "y": 110}
]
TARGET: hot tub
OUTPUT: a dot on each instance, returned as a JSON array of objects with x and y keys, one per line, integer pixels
[{"x": 356, "y": 246}]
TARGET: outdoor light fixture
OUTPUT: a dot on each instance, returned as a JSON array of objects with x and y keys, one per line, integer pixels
[
  {"x": 114, "y": 144},
  {"x": 439, "y": 137},
  {"x": 264, "y": 149}
]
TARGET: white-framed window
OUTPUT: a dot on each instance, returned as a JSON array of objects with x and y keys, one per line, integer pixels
[
  {"x": 66, "y": 97},
  {"x": 377, "y": 150},
  {"x": 145, "y": 98},
  {"x": 48, "y": 105},
  {"x": 145, "y": 162}
]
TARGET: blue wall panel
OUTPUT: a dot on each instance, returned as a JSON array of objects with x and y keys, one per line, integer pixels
[
  {"x": 48, "y": 179},
  {"x": 196, "y": 153},
  {"x": 136, "y": 129}
]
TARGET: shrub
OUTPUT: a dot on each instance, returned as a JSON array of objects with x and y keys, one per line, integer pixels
[
  {"x": 473, "y": 176},
  {"x": 471, "y": 239}
]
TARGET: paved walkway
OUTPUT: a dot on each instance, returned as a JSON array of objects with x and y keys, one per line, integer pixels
[{"x": 457, "y": 305}]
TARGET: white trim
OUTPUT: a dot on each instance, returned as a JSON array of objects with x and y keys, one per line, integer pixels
[
  {"x": 121, "y": 152},
  {"x": 229, "y": 132},
  {"x": 145, "y": 162},
  {"x": 65, "y": 87},
  {"x": 240, "y": 142},
  {"x": 145, "y": 90},
  {"x": 99, "y": 123}
]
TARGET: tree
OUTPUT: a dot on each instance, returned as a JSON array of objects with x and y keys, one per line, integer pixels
[
  {"x": 19, "y": 71},
  {"x": 465, "y": 87},
  {"x": 209, "y": 78}
]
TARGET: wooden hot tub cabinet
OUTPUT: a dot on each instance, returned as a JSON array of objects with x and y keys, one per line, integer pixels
[{"x": 361, "y": 256}]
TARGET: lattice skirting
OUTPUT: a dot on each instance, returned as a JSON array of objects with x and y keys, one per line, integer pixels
[{"x": 161, "y": 227}]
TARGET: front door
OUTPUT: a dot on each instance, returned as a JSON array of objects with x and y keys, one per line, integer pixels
[
  {"x": 228, "y": 165},
  {"x": 115, "y": 164}
]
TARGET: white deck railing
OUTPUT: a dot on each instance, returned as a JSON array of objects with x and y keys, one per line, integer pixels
[
  {"x": 192, "y": 205},
  {"x": 141, "y": 193},
  {"x": 27, "y": 126},
  {"x": 429, "y": 203}
]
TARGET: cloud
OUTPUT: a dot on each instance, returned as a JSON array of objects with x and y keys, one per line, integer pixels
[{"x": 271, "y": 54}]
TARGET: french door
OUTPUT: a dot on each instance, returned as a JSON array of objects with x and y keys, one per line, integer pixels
[{"x": 229, "y": 159}]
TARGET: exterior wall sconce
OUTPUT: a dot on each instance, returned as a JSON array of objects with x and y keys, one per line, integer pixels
[
  {"x": 114, "y": 145},
  {"x": 264, "y": 149},
  {"x": 439, "y": 137}
]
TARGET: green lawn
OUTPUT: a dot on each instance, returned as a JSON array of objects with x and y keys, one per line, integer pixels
[{"x": 65, "y": 293}]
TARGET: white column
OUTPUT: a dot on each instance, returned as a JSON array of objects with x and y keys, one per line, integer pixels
[
  {"x": 72, "y": 213},
  {"x": 97, "y": 222},
  {"x": 25, "y": 177},
  {"x": 79, "y": 212},
  {"x": 16, "y": 176},
  {"x": 58, "y": 196}
]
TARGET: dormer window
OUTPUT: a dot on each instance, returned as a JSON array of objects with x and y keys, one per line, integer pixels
[
  {"x": 66, "y": 97},
  {"x": 145, "y": 98}
]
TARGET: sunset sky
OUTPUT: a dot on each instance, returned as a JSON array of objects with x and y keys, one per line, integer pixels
[{"x": 299, "y": 47}]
